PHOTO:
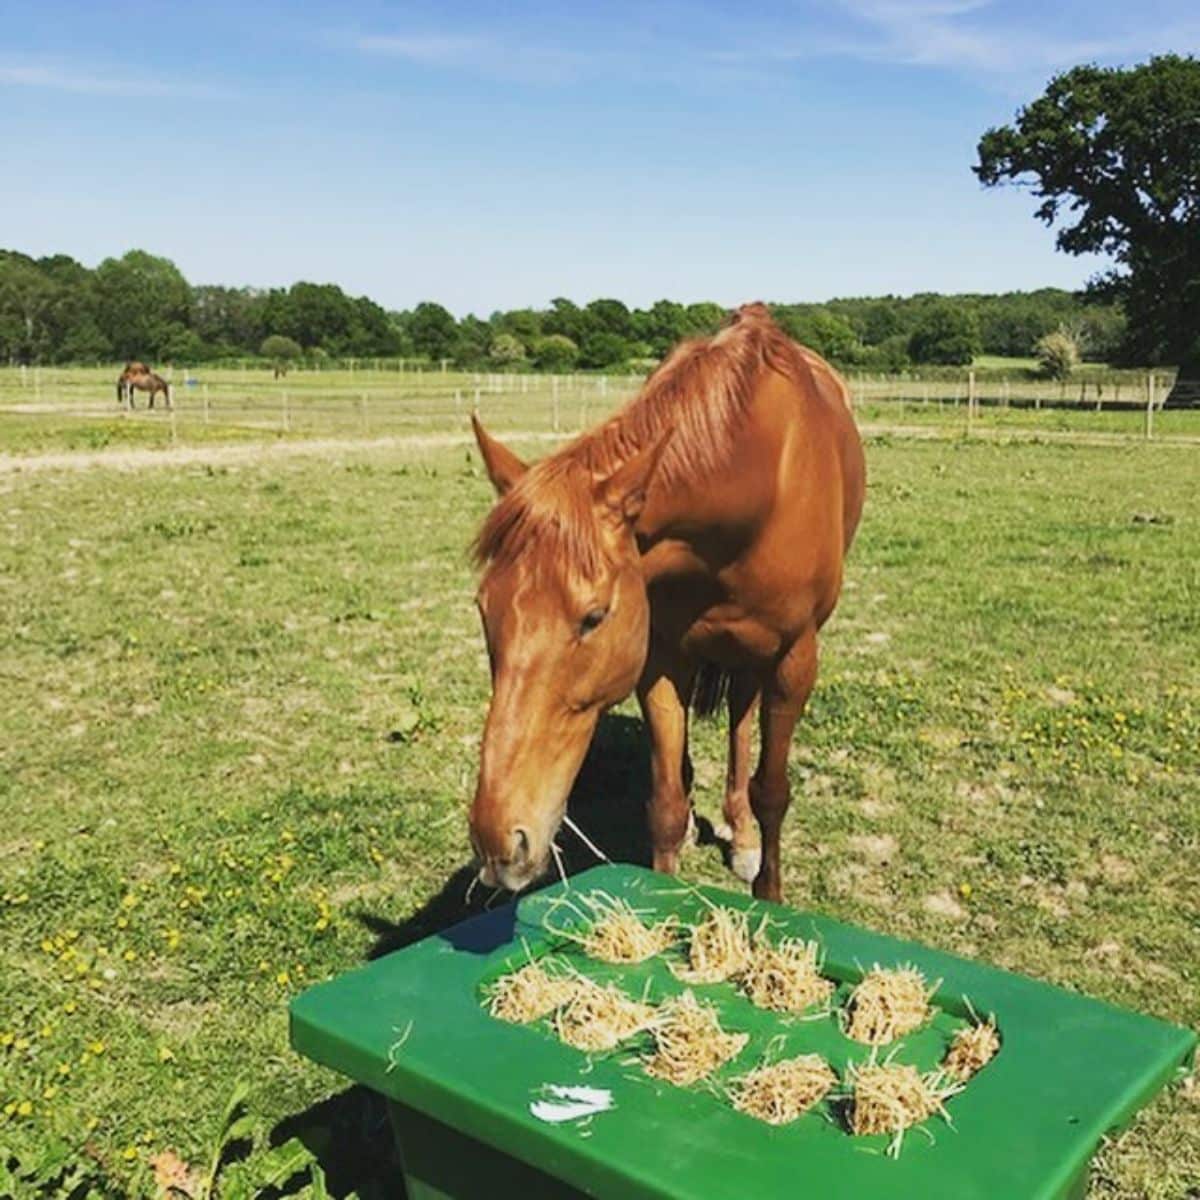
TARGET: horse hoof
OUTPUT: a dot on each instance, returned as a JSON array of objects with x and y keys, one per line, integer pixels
[
  {"x": 723, "y": 832},
  {"x": 746, "y": 862},
  {"x": 692, "y": 836}
]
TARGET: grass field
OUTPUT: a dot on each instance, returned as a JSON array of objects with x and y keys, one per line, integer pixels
[
  {"x": 241, "y": 719},
  {"x": 64, "y": 408}
]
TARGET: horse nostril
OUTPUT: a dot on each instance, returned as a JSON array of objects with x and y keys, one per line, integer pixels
[{"x": 520, "y": 844}]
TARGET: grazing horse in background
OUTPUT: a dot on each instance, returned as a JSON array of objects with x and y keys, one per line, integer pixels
[
  {"x": 137, "y": 376},
  {"x": 690, "y": 547}
]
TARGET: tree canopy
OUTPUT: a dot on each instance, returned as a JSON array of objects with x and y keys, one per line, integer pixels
[
  {"x": 1113, "y": 154},
  {"x": 140, "y": 306}
]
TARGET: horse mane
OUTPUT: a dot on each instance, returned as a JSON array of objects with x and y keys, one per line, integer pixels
[{"x": 700, "y": 393}]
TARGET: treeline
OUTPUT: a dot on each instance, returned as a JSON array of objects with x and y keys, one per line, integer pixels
[{"x": 55, "y": 310}]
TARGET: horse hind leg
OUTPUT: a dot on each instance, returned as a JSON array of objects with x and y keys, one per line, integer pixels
[{"x": 741, "y": 830}]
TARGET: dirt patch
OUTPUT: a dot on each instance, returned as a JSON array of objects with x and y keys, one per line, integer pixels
[{"x": 139, "y": 458}]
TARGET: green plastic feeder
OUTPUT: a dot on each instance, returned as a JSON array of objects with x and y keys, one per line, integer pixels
[{"x": 468, "y": 1093}]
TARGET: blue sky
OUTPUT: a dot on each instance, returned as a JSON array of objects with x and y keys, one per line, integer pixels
[{"x": 490, "y": 155}]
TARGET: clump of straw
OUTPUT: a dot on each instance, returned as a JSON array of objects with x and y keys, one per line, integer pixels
[
  {"x": 892, "y": 1097},
  {"x": 785, "y": 1090},
  {"x": 619, "y": 935},
  {"x": 888, "y": 1004},
  {"x": 786, "y": 977},
  {"x": 598, "y": 1018},
  {"x": 689, "y": 1041},
  {"x": 719, "y": 947},
  {"x": 529, "y": 994},
  {"x": 974, "y": 1046}
]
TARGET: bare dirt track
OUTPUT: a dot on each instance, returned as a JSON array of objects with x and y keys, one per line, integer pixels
[{"x": 136, "y": 459}]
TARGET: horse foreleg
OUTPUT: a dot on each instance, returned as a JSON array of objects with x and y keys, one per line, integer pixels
[
  {"x": 741, "y": 827},
  {"x": 663, "y": 693},
  {"x": 785, "y": 692}
]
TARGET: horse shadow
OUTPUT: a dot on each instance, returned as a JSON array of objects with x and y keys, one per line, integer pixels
[
  {"x": 608, "y": 802},
  {"x": 348, "y": 1134}
]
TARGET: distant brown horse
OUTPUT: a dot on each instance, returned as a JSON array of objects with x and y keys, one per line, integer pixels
[
  {"x": 697, "y": 536},
  {"x": 138, "y": 377}
]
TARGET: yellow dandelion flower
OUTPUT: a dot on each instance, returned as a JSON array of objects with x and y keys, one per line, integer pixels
[
  {"x": 49, "y": 1092},
  {"x": 25, "y": 1108},
  {"x": 96, "y": 1047},
  {"x": 283, "y": 979},
  {"x": 129, "y": 955},
  {"x": 64, "y": 1068},
  {"x": 129, "y": 1153},
  {"x": 165, "y": 1054}
]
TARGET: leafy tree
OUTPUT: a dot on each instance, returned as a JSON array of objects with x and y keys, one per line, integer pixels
[
  {"x": 282, "y": 351},
  {"x": 566, "y": 319},
  {"x": 609, "y": 316},
  {"x": 1057, "y": 354},
  {"x": 704, "y": 318},
  {"x": 946, "y": 334},
  {"x": 1113, "y": 154},
  {"x": 141, "y": 299},
  {"x": 506, "y": 350},
  {"x": 603, "y": 349},
  {"x": 472, "y": 341},
  {"x": 433, "y": 331},
  {"x": 825, "y": 332},
  {"x": 556, "y": 352},
  {"x": 26, "y": 299}
]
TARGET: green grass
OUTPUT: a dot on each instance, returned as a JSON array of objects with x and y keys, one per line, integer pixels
[{"x": 241, "y": 720}]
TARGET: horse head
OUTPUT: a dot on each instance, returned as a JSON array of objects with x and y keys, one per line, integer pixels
[{"x": 566, "y": 619}]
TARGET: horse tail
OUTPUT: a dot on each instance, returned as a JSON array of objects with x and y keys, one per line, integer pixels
[{"x": 712, "y": 687}]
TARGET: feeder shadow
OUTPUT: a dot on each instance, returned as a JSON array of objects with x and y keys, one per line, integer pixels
[
  {"x": 608, "y": 802},
  {"x": 350, "y": 1139}
]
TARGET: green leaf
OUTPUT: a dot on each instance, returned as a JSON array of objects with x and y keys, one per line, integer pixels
[
  {"x": 279, "y": 1164},
  {"x": 237, "y": 1099},
  {"x": 242, "y": 1128}
]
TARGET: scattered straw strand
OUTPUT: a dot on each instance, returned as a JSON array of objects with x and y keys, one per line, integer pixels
[
  {"x": 689, "y": 1041},
  {"x": 887, "y": 1004},
  {"x": 783, "y": 1091}
]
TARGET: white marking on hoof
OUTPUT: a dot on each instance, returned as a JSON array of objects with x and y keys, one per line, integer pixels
[
  {"x": 746, "y": 863},
  {"x": 723, "y": 832},
  {"x": 692, "y": 836}
]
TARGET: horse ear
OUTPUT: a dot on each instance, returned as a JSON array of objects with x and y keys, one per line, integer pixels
[
  {"x": 504, "y": 468},
  {"x": 624, "y": 491}
]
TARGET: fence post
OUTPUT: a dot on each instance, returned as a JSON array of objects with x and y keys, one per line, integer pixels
[
  {"x": 205, "y": 396},
  {"x": 554, "y": 393},
  {"x": 364, "y": 412},
  {"x": 970, "y": 401},
  {"x": 174, "y": 425},
  {"x": 1149, "y": 405},
  {"x": 287, "y": 416}
]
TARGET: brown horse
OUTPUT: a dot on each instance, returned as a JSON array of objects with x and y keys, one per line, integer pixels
[
  {"x": 137, "y": 376},
  {"x": 696, "y": 536}
]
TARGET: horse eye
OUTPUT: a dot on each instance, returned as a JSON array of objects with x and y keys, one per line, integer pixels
[{"x": 593, "y": 618}]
